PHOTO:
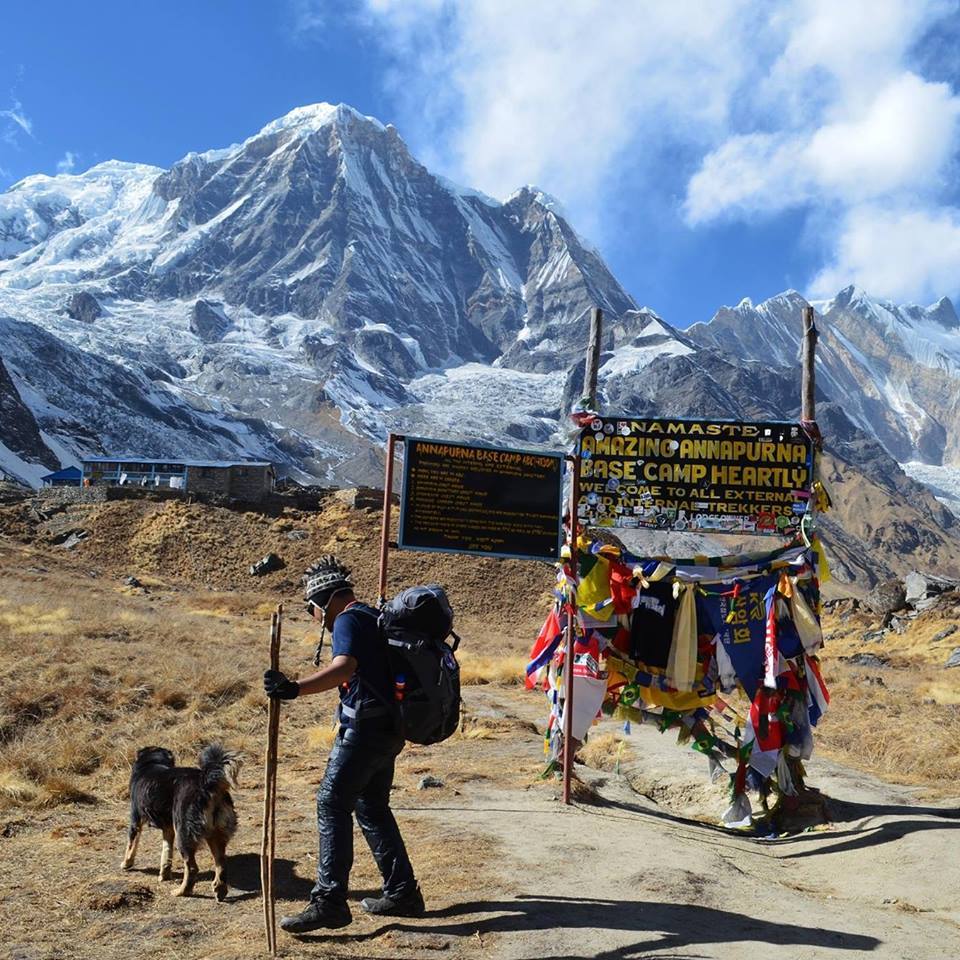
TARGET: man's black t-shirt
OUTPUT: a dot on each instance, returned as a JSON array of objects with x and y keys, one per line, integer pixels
[{"x": 356, "y": 634}]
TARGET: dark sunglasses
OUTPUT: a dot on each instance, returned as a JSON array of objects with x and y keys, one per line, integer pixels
[
  {"x": 322, "y": 607},
  {"x": 311, "y": 606}
]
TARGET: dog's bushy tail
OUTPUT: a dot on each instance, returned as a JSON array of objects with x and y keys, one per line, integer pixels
[{"x": 219, "y": 766}]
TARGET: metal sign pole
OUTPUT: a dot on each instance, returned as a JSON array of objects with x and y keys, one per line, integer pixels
[
  {"x": 571, "y": 632},
  {"x": 385, "y": 523}
]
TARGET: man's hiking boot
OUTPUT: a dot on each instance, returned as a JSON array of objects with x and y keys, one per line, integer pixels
[
  {"x": 318, "y": 915},
  {"x": 409, "y": 906}
]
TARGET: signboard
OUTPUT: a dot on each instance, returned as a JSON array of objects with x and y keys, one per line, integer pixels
[
  {"x": 703, "y": 475},
  {"x": 472, "y": 499}
]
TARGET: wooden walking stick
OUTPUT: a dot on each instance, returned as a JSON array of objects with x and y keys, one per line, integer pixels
[{"x": 269, "y": 836}]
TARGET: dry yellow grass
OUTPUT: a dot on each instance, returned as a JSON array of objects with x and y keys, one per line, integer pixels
[
  {"x": 106, "y": 675},
  {"x": 91, "y": 670},
  {"x": 478, "y": 669},
  {"x": 891, "y": 731},
  {"x": 945, "y": 692},
  {"x": 492, "y": 728},
  {"x": 478, "y": 731},
  {"x": 604, "y": 751},
  {"x": 901, "y": 721},
  {"x": 321, "y": 738}
]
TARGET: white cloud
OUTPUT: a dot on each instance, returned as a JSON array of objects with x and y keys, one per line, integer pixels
[
  {"x": 849, "y": 47},
  {"x": 747, "y": 173},
  {"x": 902, "y": 141},
  {"x": 901, "y": 254},
  {"x": 67, "y": 163},
  {"x": 559, "y": 95},
  {"x": 745, "y": 108},
  {"x": 17, "y": 122},
  {"x": 860, "y": 140}
]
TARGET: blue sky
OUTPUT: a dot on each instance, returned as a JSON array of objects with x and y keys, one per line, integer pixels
[{"x": 711, "y": 151}]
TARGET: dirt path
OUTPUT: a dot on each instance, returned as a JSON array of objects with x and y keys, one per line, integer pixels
[
  {"x": 632, "y": 878},
  {"x": 510, "y": 873}
]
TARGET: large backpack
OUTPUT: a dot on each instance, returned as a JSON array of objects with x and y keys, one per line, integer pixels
[{"x": 415, "y": 625}]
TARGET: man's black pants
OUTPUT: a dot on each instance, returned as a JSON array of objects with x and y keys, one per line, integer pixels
[{"x": 358, "y": 779}]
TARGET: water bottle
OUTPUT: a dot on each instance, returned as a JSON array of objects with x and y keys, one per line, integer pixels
[{"x": 399, "y": 685}]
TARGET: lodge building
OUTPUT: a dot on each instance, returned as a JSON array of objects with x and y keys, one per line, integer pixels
[{"x": 243, "y": 480}]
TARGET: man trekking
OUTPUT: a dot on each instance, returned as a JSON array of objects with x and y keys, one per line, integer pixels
[{"x": 360, "y": 769}]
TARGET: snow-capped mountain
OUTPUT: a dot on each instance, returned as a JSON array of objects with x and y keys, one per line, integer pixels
[
  {"x": 306, "y": 278},
  {"x": 296, "y": 295},
  {"x": 895, "y": 368}
]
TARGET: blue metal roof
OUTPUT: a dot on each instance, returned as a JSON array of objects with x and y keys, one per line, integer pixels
[
  {"x": 67, "y": 473},
  {"x": 179, "y": 463}
]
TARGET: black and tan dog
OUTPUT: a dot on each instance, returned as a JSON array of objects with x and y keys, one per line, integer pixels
[{"x": 189, "y": 805}]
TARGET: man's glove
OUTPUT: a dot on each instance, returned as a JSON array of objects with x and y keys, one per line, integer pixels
[{"x": 279, "y": 686}]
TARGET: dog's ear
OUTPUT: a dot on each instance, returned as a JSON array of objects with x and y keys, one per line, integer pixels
[{"x": 232, "y": 766}]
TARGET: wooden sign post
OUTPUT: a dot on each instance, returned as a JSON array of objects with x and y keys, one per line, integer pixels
[
  {"x": 571, "y": 633},
  {"x": 385, "y": 523},
  {"x": 808, "y": 402},
  {"x": 592, "y": 368}
]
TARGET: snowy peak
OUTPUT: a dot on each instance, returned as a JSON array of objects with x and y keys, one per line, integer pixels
[
  {"x": 315, "y": 116},
  {"x": 944, "y": 313},
  {"x": 299, "y": 123},
  {"x": 38, "y": 208},
  {"x": 532, "y": 194},
  {"x": 769, "y": 332}
]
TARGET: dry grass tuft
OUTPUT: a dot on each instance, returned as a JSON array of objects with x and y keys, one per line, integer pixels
[
  {"x": 21, "y": 712},
  {"x": 478, "y": 731},
  {"x": 58, "y": 790},
  {"x": 16, "y": 790},
  {"x": 604, "y": 751},
  {"x": 493, "y": 728},
  {"x": 478, "y": 669},
  {"x": 321, "y": 738},
  {"x": 582, "y": 792}
]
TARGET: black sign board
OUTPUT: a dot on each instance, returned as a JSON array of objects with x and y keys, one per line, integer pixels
[
  {"x": 472, "y": 499},
  {"x": 703, "y": 475}
]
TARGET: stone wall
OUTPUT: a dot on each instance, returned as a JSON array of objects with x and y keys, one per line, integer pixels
[
  {"x": 208, "y": 481},
  {"x": 250, "y": 484},
  {"x": 64, "y": 495}
]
